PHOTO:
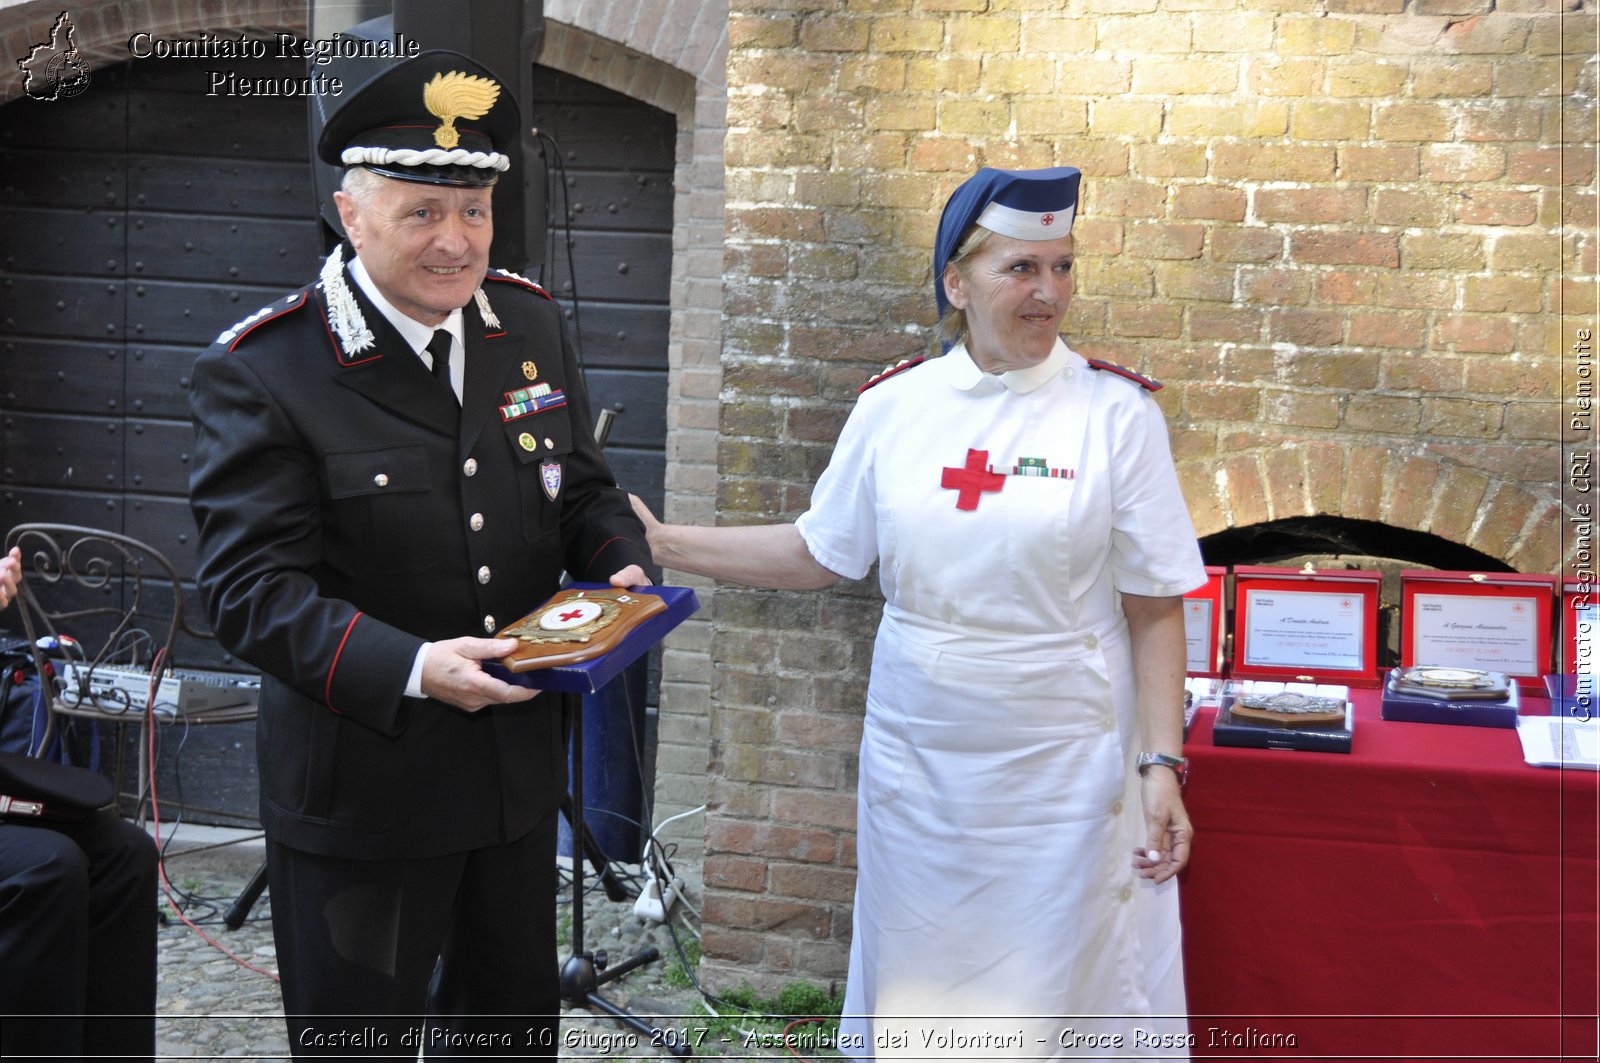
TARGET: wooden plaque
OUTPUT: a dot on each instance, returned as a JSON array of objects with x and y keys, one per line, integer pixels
[
  {"x": 1289, "y": 709},
  {"x": 577, "y": 625}
]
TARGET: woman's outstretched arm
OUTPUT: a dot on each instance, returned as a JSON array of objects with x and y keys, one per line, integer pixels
[{"x": 758, "y": 555}]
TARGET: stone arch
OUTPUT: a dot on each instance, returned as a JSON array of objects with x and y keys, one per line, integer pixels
[
  {"x": 102, "y": 28},
  {"x": 616, "y": 41},
  {"x": 576, "y": 51},
  {"x": 1422, "y": 491}
]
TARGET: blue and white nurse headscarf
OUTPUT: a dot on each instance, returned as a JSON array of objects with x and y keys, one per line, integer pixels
[{"x": 1022, "y": 204}]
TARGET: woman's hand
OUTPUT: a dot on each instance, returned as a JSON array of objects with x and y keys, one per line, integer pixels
[
  {"x": 632, "y": 576},
  {"x": 1167, "y": 829},
  {"x": 757, "y": 555},
  {"x": 10, "y": 576},
  {"x": 652, "y": 526}
]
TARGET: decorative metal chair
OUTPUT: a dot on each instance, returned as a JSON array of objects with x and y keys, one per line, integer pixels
[{"x": 104, "y": 615}]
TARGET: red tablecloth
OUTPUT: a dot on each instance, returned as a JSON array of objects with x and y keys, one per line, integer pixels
[{"x": 1426, "y": 895}]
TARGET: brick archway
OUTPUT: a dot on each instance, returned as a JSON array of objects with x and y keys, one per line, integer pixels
[
  {"x": 1419, "y": 491},
  {"x": 576, "y": 51}
]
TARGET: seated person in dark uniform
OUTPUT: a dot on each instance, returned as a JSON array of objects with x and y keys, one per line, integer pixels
[
  {"x": 77, "y": 927},
  {"x": 392, "y": 464}
]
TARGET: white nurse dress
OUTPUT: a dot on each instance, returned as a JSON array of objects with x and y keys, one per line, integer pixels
[{"x": 997, "y": 913}]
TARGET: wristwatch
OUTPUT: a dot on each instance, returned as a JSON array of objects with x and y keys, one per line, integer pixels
[{"x": 1179, "y": 765}]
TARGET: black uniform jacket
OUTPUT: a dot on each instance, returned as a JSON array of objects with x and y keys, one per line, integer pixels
[{"x": 348, "y": 512}]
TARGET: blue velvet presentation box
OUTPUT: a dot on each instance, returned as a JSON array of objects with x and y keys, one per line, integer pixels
[
  {"x": 1577, "y": 696},
  {"x": 1420, "y": 708},
  {"x": 1231, "y": 730},
  {"x": 587, "y": 677}
]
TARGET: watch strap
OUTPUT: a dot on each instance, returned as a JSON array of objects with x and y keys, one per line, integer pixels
[{"x": 1179, "y": 765}]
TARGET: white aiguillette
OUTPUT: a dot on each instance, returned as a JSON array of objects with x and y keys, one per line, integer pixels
[{"x": 577, "y": 625}]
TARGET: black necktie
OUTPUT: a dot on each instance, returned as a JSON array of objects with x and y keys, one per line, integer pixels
[{"x": 439, "y": 347}]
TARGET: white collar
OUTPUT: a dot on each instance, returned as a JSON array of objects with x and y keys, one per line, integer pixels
[
  {"x": 966, "y": 375},
  {"x": 411, "y": 330}
]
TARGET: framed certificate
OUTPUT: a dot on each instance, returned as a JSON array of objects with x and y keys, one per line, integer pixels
[
  {"x": 1493, "y": 622},
  {"x": 1307, "y": 625},
  {"x": 1205, "y": 624},
  {"x": 1580, "y": 628}
]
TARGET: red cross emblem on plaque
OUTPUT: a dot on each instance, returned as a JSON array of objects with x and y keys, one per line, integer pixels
[
  {"x": 569, "y": 615},
  {"x": 972, "y": 480}
]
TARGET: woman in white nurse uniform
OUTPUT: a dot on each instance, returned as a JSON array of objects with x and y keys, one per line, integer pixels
[{"x": 1019, "y": 813}]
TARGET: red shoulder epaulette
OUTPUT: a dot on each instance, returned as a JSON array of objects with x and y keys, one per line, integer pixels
[
  {"x": 271, "y": 311},
  {"x": 517, "y": 278},
  {"x": 899, "y": 367},
  {"x": 1126, "y": 374}
]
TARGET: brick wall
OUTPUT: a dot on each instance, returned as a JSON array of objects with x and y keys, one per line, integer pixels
[{"x": 1356, "y": 239}]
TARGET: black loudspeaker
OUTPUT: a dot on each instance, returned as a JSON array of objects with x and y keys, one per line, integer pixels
[{"x": 503, "y": 35}]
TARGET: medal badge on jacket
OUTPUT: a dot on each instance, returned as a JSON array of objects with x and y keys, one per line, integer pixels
[{"x": 550, "y": 476}]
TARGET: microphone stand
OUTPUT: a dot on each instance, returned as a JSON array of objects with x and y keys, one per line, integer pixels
[{"x": 584, "y": 972}]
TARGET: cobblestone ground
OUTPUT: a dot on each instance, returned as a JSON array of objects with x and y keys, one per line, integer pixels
[{"x": 210, "y": 1006}]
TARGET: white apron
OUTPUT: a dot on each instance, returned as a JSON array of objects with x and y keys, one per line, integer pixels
[{"x": 997, "y": 912}]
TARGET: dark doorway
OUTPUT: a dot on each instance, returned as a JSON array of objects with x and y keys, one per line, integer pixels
[{"x": 610, "y": 257}]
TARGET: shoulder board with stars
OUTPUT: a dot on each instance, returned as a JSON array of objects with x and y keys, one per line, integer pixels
[
  {"x": 271, "y": 311},
  {"x": 517, "y": 278},
  {"x": 1125, "y": 373},
  {"x": 899, "y": 367}
]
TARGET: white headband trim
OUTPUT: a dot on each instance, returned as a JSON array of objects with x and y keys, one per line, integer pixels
[
  {"x": 1027, "y": 224},
  {"x": 483, "y": 160}
]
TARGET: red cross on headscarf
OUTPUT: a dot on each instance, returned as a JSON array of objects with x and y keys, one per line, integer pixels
[{"x": 972, "y": 480}]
